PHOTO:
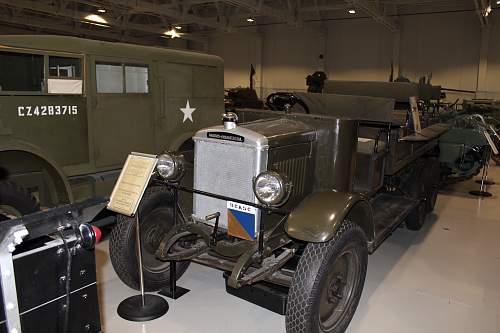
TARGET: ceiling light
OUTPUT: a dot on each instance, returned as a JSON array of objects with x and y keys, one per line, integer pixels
[
  {"x": 352, "y": 11},
  {"x": 172, "y": 33},
  {"x": 487, "y": 11},
  {"x": 96, "y": 20},
  {"x": 250, "y": 20},
  {"x": 101, "y": 10},
  {"x": 178, "y": 27}
]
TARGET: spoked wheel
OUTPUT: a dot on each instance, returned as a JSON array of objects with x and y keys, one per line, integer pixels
[
  {"x": 328, "y": 283},
  {"x": 156, "y": 219}
]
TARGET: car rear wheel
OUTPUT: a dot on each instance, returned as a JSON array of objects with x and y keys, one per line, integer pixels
[
  {"x": 416, "y": 219},
  {"x": 328, "y": 283},
  {"x": 156, "y": 219},
  {"x": 15, "y": 201}
]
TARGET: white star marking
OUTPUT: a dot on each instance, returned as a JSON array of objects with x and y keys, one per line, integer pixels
[{"x": 188, "y": 112}]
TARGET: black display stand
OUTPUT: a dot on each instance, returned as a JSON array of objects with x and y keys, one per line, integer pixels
[
  {"x": 142, "y": 307},
  {"x": 484, "y": 178},
  {"x": 174, "y": 291}
]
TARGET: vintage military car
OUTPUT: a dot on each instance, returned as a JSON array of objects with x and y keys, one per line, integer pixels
[
  {"x": 295, "y": 199},
  {"x": 71, "y": 109}
]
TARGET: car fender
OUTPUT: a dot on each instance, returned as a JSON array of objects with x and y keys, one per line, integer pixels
[
  {"x": 317, "y": 218},
  {"x": 60, "y": 181}
]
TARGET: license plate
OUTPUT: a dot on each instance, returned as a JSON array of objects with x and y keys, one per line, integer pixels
[{"x": 241, "y": 220}]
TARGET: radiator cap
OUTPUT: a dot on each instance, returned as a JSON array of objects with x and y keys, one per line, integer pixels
[{"x": 230, "y": 120}]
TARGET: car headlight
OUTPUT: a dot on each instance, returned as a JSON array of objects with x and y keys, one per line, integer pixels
[
  {"x": 170, "y": 166},
  {"x": 271, "y": 188}
]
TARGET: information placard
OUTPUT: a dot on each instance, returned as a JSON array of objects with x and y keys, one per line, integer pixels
[{"x": 132, "y": 183}]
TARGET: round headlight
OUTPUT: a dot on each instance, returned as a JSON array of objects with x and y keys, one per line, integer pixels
[
  {"x": 170, "y": 166},
  {"x": 271, "y": 188}
]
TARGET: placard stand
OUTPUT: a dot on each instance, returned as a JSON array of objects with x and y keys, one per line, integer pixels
[
  {"x": 484, "y": 178},
  {"x": 142, "y": 307},
  {"x": 125, "y": 199}
]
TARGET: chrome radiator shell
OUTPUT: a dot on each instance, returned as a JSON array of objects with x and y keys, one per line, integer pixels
[{"x": 227, "y": 168}]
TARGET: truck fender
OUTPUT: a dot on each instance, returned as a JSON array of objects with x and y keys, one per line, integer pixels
[
  {"x": 317, "y": 218},
  {"x": 180, "y": 141},
  {"x": 60, "y": 181}
]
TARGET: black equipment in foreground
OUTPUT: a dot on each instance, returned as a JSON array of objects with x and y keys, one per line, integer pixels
[{"x": 47, "y": 262}]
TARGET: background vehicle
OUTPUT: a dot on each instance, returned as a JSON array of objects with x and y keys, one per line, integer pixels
[
  {"x": 295, "y": 199},
  {"x": 72, "y": 109}
]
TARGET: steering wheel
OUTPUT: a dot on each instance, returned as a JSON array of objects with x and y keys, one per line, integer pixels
[{"x": 284, "y": 101}]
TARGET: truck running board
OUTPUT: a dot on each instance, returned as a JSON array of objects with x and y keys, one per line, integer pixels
[{"x": 389, "y": 211}]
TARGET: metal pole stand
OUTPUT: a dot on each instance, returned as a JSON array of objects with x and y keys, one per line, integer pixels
[
  {"x": 174, "y": 291},
  {"x": 484, "y": 179},
  {"x": 142, "y": 307}
]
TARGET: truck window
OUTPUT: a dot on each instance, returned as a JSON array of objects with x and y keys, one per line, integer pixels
[
  {"x": 62, "y": 67},
  {"x": 136, "y": 79},
  {"x": 65, "y": 75},
  {"x": 21, "y": 72},
  {"x": 109, "y": 78}
]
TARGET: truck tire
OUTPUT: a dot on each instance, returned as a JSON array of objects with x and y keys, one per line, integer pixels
[
  {"x": 432, "y": 177},
  {"x": 416, "y": 219},
  {"x": 15, "y": 201},
  {"x": 329, "y": 276},
  {"x": 156, "y": 219}
]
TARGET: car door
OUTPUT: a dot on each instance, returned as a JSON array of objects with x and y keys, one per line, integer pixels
[{"x": 123, "y": 110}]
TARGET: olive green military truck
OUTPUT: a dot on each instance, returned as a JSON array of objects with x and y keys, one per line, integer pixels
[
  {"x": 291, "y": 203},
  {"x": 72, "y": 109}
]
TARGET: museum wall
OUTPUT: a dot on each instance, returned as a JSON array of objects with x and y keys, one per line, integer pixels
[
  {"x": 446, "y": 45},
  {"x": 359, "y": 50}
]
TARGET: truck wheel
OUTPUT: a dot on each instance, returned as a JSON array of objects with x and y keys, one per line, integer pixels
[
  {"x": 432, "y": 175},
  {"x": 15, "y": 201},
  {"x": 416, "y": 219},
  {"x": 328, "y": 282},
  {"x": 156, "y": 219}
]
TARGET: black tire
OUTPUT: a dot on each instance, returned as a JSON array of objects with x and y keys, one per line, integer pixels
[
  {"x": 14, "y": 196},
  {"x": 156, "y": 219},
  {"x": 308, "y": 293},
  {"x": 431, "y": 176},
  {"x": 416, "y": 219}
]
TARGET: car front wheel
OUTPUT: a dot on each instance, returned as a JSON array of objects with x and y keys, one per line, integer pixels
[{"x": 328, "y": 283}]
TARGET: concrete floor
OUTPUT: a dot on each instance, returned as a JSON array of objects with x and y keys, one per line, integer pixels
[{"x": 445, "y": 278}]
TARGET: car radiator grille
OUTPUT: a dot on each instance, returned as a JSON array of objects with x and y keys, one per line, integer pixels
[
  {"x": 226, "y": 169},
  {"x": 295, "y": 170}
]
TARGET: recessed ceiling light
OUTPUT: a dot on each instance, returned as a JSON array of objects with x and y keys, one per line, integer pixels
[
  {"x": 101, "y": 10},
  {"x": 96, "y": 20},
  {"x": 250, "y": 20},
  {"x": 487, "y": 11},
  {"x": 172, "y": 33},
  {"x": 178, "y": 27},
  {"x": 352, "y": 11},
  {"x": 498, "y": 2}
]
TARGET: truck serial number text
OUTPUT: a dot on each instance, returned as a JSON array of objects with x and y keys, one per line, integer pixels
[{"x": 47, "y": 110}]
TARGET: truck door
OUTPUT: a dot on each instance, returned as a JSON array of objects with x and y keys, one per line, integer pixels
[
  {"x": 190, "y": 97},
  {"x": 123, "y": 110}
]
